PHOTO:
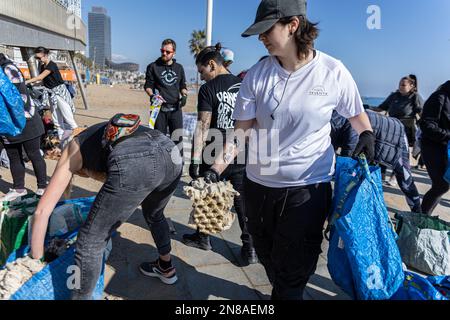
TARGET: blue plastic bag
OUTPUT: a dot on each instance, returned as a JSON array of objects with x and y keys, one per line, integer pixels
[
  {"x": 442, "y": 284},
  {"x": 417, "y": 288},
  {"x": 447, "y": 173},
  {"x": 51, "y": 282},
  {"x": 12, "y": 113},
  {"x": 363, "y": 257}
]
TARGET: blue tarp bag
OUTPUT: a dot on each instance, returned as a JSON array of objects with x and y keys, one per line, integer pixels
[
  {"x": 12, "y": 113},
  {"x": 52, "y": 282},
  {"x": 442, "y": 284},
  {"x": 415, "y": 287},
  {"x": 363, "y": 257},
  {"x": 447, "y": 173}
]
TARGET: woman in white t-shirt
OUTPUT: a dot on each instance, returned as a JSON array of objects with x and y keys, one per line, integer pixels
[{"x": 285, "y": 106}]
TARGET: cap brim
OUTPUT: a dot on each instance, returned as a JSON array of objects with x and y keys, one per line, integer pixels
[{"x": 259, "y": 27}]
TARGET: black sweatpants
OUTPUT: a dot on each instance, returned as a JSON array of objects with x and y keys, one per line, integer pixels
[
  {"x": 236, "y": 175},
  {"x": 287, "y": 229},
  {"x": 168, "y": 122},
  {"x": 17, "y": 165},
  {"x": 435, "y": 159}
]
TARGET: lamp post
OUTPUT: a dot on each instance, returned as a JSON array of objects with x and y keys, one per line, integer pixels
[{"x": 209, "y": 21}]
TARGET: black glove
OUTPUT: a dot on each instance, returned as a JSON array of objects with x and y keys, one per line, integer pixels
[
  {"x": 366, "y": 145},
  {"x": 183, "y": 101},
  {"x": 211, "y": 176},
  {"x": 194, "y": 171}
]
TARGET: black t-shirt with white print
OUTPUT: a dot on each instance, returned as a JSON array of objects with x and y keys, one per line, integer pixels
[{"x": 218, "y": 96}]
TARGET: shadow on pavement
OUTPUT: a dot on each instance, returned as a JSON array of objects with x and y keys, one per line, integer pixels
[{"x": 129, "y": 284}]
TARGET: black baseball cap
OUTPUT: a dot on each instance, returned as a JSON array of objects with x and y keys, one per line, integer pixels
[{"x": 271, "y": 11}]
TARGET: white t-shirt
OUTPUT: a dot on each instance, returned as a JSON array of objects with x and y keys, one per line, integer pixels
[{"x": 294, "y": 148}]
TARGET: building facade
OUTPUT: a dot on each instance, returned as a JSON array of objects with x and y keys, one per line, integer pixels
[
  {"x": 99, "y": 36},
  {"x": 73, "y": 6}
]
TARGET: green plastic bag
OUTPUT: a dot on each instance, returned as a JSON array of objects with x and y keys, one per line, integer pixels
[
  {"x": 14, "y": 222},
  {"x": 424, "y": 243}
]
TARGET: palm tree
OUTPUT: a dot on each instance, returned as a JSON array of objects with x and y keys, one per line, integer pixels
[{"x": 197, "y": 44}]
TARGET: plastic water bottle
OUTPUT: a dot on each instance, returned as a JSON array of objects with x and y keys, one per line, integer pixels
[{"x": 65, "y": 219}]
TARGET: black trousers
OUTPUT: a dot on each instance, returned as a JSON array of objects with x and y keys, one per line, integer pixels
[
  {"x": 435, "y": 159},
  {"x": 17, "y": 165},
  {"x": 168, "y": 123},
  {"x": 236, "y": 175},
  {"x": 287, "y": 229}
]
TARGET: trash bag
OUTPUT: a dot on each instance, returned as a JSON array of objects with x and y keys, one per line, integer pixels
[
  {"x": 57, "y": 279},
  {"x": 4, "y": 160},
  {"x": 424, "y": 243},
  {"x": 14, "y": 222},
  {"x": 447, "y": 173},
  {"x": 12, "y": 112},
  {"x": 363, "y": 258},
  {"x": 442, "y": 284},
  {"x": 65, "y": 219},
  {"x": 415, "y": 287}
]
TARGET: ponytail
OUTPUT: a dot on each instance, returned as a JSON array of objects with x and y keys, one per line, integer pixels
[{"x": 211, "y": 53}]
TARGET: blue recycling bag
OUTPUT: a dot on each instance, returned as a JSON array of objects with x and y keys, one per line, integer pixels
[
  {"x": 12, "y": 113},
  {"x": 51, "y": 283},
  {"x": 442, "y": 284},
  {"x": 416, "y": 287},
  {"x": 447, "y": 173},
  {"x": 363, "y": 257}
]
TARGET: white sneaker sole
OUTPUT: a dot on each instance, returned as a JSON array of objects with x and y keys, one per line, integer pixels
[{"x": 168, "y": 281}]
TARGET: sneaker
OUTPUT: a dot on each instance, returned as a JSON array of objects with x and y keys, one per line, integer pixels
[
  {"x": 197, "y": 240},
  {"x": 152, "y": 269},
  {"x": 13, "y": 195},
  {"x": 40, "y": 192}
]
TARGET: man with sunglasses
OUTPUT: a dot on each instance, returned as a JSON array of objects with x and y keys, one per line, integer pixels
[{"x": 168, "y": 77}]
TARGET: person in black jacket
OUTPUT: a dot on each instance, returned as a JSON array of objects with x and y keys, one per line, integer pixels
[
  {"x": 168, "y": 77},
  {"x": 391, "y": 149},
  {"x": 29, "y": 140},
  {"x": 405, "y": 104},
  {"x": 435, "y": 125}
]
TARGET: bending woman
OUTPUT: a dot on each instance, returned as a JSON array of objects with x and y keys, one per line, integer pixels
[{"x": 139, "y": 169}]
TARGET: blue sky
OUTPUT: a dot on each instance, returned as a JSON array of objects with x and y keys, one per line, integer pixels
[{"x": 414, "y": 36}]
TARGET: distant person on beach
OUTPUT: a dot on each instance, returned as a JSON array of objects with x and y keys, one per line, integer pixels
[
  {"x": 228, "y": 58},
  {"x": 391, "y": 149},
  {"x": 62, "y": 105},
  {"x": 435, "y": 125},
  {"x": 168, "y": 77},
  {"x": 406, "y": 105},
  {"x": 285, "y": 106},
  {"x": 29, "y": 140},
  {"x": 137, "y": 169},
  {"x": 216, "y": 101}
]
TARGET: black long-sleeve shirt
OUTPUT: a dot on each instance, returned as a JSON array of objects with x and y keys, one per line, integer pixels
[
  {"x": 435, "y": 123},
  {"x": 169, "y": 80}
]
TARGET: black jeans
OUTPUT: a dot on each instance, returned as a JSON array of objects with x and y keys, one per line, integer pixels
[
  {"x": 17, "y": 165},
  {"x": 435, "y": 159},
  {"x": 172, "y": 120},
  {"x": 140, "y": 171},
  {"x": 236, "y": 175},
  {"x": 287, "y": 229}
]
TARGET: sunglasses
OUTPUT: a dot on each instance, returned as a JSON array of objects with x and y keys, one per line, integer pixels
[{"x": 166, "y": 51}]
